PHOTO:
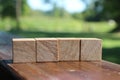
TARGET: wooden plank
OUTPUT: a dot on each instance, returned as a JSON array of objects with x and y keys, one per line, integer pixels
[
  {"x": 24, "y": 50},
  {"x": 91, "y": 49},
  {"x": 67, "y": 70},
  {"x": 47, "y": 49},
  {"x": 69, "y": 49}
]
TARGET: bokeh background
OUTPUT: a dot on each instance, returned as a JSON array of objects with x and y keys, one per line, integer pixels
[{"x": 64, "y": 18}]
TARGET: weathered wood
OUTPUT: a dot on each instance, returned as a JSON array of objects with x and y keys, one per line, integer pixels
[
  {"x": 47, "y": 49},
  {"x": 24, "y": 50},
  {"x": 91, "y": 49},
  {"x": 67, "y": 70},
  {"x": 68, "y": 49}
]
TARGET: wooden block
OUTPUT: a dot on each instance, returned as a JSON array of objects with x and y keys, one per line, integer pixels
[
  {"x": 91, "y": 49},
  {"x": 69, "y": 49},
  {"x": 24, "y": 50},
  {"x": 47, "y": 49}
]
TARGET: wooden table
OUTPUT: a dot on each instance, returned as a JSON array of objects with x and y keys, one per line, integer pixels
[
  {"x": 67, "y": 71},
  {"x": 60, "y": 70}
]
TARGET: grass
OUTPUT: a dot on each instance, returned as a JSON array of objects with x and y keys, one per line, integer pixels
[
  {"x": 52, "y": 24},
  {"x": 44, "y": 26},
  {"x": 63, "y": 25}
]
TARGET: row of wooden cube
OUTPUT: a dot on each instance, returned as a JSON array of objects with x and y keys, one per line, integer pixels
[{"x": 56, "y": 49}]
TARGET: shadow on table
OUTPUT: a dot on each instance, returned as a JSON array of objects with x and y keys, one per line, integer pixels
[{"x": 5, "y": 73}]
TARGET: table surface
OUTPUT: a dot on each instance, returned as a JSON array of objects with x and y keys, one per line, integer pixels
[
  {"x": 67, "y": 70},
  {"x": 61, "y": 70}
]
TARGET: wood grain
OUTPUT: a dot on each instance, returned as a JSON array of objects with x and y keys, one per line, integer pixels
[
  {"x": 24, "y": 50},
  {"x": 47, "y": 49},
  {"x": 91, "y": 49},
  {"x": 67, "y": 70},
  {"x": 69, "y": 49}
]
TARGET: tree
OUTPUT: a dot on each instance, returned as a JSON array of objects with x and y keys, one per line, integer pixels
[
  {"x": 7, "y": 8},
  {"x": 57, "y": 11},
  {"x": 93, "y": 10},
  {"x": 18, "y": 14},
  {"x": 112, "y": 11},
  {"x": 105, "y": 9},
  {"x": 12, "y": 9}
]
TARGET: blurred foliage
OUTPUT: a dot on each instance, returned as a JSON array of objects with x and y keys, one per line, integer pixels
[
  {"x": 8, "y": 8},
  {"x": 13, "y": 9},
  {"x": 111, "y": 8},
  {"x": 92, "y": 13},
  {"x": 112, "y": 11},
  {"x": 41, "y": 22},
  {"x": 56, "y": 11},
  {"x": 103, "y": 10},
  {"x": 25, "y": 8}
]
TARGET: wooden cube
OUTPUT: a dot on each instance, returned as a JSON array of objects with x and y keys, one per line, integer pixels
[
  {"x": 91, "y": 49},
  {"x": 24, "y": 50},
  {"x": 69, "y": 49},
  {"x": 47, "y": 49}
]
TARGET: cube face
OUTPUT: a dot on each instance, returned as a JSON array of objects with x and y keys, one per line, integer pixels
[
  {"x": 24, "y": 50},
  {"x": 91, "y": 50},
  {"x": 69, "y": 49},
  {"x": 47, "y": 49}
]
